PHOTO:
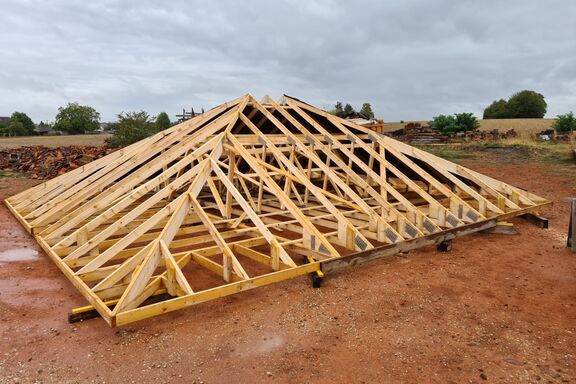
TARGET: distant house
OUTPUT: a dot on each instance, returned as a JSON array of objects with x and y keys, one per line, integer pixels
[
  {"x": 4, "y": 120},
  {"x": 105, "y": 128},
  {"x": 44, "y": 129},
  {"x": 363, "y": 120}
]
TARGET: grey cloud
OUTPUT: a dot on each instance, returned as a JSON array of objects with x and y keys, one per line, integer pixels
[{"x": 410, "y": 59}]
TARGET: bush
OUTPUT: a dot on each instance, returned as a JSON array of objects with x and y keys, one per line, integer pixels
[
  {"x": 444, "y": 123},
  {"x": 459, "y": 122},
  {"x": 130, "y": 128},
  {"x": 565, "y": 123},
  {"x": 466, "y": 122}
]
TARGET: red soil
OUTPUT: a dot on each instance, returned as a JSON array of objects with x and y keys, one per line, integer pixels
[{"x": 498, "y": 308}]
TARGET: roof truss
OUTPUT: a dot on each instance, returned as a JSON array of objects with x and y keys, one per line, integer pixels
[{"x": 236, "y": 197}]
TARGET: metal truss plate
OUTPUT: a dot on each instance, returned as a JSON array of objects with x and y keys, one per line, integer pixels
[
  {"x": 472, "y": 216},
  {"x": 360, "y": 243},
  {"x": 453, "y": 221},
  {"x": 391, "y": 235},
  {"x": 410, "y": 230},
  {"x": 429, "y": 226}
]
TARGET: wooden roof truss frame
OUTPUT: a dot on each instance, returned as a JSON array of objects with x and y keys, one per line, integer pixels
[{"x": 235, "y": 198}]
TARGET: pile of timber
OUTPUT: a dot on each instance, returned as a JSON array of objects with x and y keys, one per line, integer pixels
[
  {"x": 551, "y": 135},
  {"x": 494, "y": 134},
  {"x": 416, "y": 133},
  {"x": 45, "y": 163}
]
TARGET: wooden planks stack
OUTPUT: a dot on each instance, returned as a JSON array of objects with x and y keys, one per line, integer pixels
[{"x": 237, "y": 197}]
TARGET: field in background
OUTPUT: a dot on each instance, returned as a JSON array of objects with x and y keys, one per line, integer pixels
[
  {"x": 520, "y": 148},
  {"x": 524, "y": 127},
  {"x": 53, "y": 141}
]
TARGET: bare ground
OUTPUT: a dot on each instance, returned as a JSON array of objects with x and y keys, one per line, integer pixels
[{"x": 496, "y": 309}]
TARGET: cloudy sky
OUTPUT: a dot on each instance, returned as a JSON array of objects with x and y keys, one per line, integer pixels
[{"x": 411, "y": 59}]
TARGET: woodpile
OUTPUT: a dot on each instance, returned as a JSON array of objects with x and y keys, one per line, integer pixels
[
  {"x": 551, "y": 135},
  {"x": 46, "y": 163},
  {"x": 494, "y": 134},
  {"x": 415, "y": 133}
]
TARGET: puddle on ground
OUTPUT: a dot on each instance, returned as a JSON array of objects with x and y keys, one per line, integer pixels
[
  {"x": 19, "y": 254},
  {"x": 260, "y": 346}
]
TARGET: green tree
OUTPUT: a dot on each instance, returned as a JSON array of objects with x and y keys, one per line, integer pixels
[
  {"x": 163, "y": 121},
  {"x": 348, "y": 110},
  {"x": 521, "y": 105},
  {"x": 27, "y": 127},
  {"x": 74, "y": 119},
  {"x": 459, "y": 122},
  {"x": 338, "y": 109},
  {"x": 131, "y": 127},
  {"x": 367, "y": 110},
  {"x": 497, "y": 110},
  {"x": 565, "y": 123},
  {"x": 15, "y": 128},
  {"x": 527, "y": 104}
]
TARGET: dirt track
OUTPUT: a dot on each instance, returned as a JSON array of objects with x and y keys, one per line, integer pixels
[{"x": 496, "y": 309}]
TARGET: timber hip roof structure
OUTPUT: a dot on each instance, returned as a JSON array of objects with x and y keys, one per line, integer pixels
[{"x": 244, "y": 195}]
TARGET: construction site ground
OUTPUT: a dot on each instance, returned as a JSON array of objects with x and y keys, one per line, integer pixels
[{"x": 497, "y": 308}]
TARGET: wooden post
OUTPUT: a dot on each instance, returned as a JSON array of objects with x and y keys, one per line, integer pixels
[
  {"x": 383, "y": 171},
  {"x": 231, "y": 170},
  {"x": 572, "y": 225}
]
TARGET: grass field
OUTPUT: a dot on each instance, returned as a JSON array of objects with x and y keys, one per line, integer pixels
[
  {"x": 53, "y": 141},
  {"x": 524, "y": 127}
]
